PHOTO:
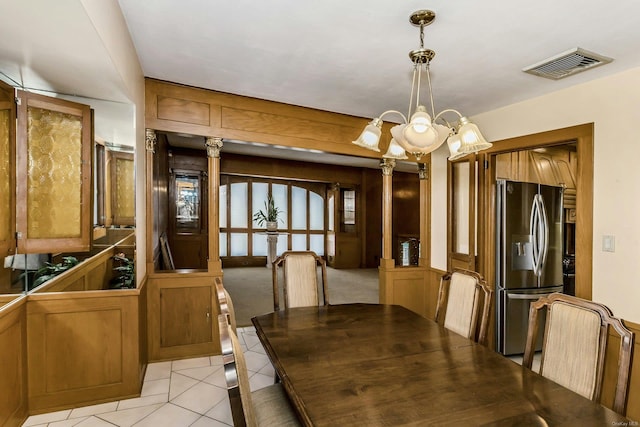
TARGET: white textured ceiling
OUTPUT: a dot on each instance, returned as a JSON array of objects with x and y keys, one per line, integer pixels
[
  {"x": 351, "y": 56},
  {"x": 347, "y": 56}
]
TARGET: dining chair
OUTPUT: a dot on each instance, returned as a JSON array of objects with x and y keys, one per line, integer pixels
[
  {"x": 574, "y": 345},
  {"x": 300, "y": 279},
  {"x": 225, "y": 304},
  {"x": 268, "y": 406},
  {"x": 459, "y": 299}
]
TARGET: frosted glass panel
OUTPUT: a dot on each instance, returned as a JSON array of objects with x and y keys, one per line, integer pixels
[
  {"x": 239, "y": 205},
  {"x": 125, "y": 188},
  {"x": 317, "y": 243},
  {"x": 279, "y": 193},
  {"x": 54, "y": 176},
  {"x": 461, "y": 207},
  {"x": 332, "y": 217},
  {"x": 282, "y": 244},
  {"x": 258, "y": 199},
  {"x": 298, "y": 242},
  {"x": 259, "y": 244},
  {"x": 239, "y": 244},
  {"x": 5, "y": 175},
  {"x": 223, "y": 244},
  {"x": 298, "y": 208},
  {"x": 316, "y": 211},
  {"x": 223, "y": 208}
]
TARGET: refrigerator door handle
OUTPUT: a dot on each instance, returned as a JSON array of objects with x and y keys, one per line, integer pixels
[
  {"x": 539, "y": 230},
  {"x": 545, "y": 232},
  {"x": 533, "y": 231},
  {"x": 526, "y": 296}
]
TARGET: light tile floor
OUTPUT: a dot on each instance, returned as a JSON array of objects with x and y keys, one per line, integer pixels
[{"x": 179, "y": 393}]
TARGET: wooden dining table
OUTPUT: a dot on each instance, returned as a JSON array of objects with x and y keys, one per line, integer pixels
[{"x": 384, "y": 365}]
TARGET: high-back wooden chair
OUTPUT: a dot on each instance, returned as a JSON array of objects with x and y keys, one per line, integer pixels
[
  {"x": 225, "y": 304},
  {"x": 574, "y": 346},
  {"x": 300, "y": 279},
  {"x": 459, "y": 299},
  {"x": 268, "y": 406}
]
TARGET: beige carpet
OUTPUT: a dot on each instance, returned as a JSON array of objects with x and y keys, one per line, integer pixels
[{"x": 251, "y": 289}]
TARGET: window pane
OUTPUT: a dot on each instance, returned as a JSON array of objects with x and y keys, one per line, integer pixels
[
  {"x": 223, "y": 208},
  {"x": 316, "y": 211},
  {"x": 258, "y": 199},
  {"x": 330, "y": 207},
  {"x": 239, "y": 206},
  {"x": 259, "y": 244},
  {"x": 239, "y": 245},
  {"x": 279, "y": 193},
  {"x": 317, "y": 243},
  {"x": 223, "y": 244},
  {"x": 282, "y": 244},
  {"x": 298, "y": 242},
  {"x": 349, "y": 205},
  {"x": 298, "y": 208},
  {"x": 461, "y": 207}
]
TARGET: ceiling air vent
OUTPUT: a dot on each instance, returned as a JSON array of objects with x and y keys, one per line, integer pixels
[{"x": 567, "y": 63}]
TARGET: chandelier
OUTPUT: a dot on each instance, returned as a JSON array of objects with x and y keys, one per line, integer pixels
[{"x": 424, "y": 132}]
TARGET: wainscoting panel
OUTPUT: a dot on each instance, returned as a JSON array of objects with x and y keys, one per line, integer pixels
[
  {"x": 83, "y": 349},
  {"x": 13, "y": 360}
]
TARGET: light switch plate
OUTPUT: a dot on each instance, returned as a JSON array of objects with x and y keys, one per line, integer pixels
[{"x": 608, "y": 243}]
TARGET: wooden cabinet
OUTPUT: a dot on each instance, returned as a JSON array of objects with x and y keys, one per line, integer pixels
[
  {"x": 185, "y": 315},
  {"x": 551, "y": 166},
  {"x": 179, "y": 315}
]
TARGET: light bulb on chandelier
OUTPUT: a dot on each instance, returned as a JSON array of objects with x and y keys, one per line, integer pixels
[{"x": 422, "y": 134}]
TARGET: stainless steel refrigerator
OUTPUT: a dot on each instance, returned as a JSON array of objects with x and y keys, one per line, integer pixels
[{"x": 528, "y": 256}]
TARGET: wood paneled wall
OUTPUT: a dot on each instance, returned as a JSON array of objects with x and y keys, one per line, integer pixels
[
  {"x": 13, "y": 360},
  {"x": 83, "y": 348},
  {"x": 177, "y": 108}
]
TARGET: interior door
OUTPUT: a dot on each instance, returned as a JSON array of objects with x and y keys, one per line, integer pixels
[
  {"x": 188, "y": 219},
  {"x": 461, "y": 213}
]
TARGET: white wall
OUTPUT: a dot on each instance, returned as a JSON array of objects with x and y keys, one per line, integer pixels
[
  {"x": 111, "y": 26},
  {"x": 613, "y": 104}
]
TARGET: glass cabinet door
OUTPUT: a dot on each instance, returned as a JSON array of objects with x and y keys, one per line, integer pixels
[
  {"x": 7, "y": 182},
  {"x": 53, "y": 175}
]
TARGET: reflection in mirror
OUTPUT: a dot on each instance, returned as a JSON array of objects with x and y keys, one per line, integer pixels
[
  {"x": 187, "y": 201},
  {"x": 113, "y": 213}
]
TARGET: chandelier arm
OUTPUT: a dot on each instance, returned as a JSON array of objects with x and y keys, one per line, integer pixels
[
  {"x": 448, "y": 110},
  {"x": 419, "y": 79},
  {"x": 396, "y": 112},
  {"x": 433, "y": 107},
  {"x": 413, "y": 88}
]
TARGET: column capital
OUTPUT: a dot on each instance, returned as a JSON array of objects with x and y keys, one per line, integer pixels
[
  {"x": 150, "y": 140},
  {"x": 214, "y": 145},
  {"x": 387, "y": 166}
]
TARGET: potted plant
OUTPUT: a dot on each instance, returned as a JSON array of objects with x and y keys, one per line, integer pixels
[
  {"x": 269, "y": 215},
  {"x": 125, "y": 273}
]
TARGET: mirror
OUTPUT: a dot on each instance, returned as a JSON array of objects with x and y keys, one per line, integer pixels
[{"x": 113, "y": 216}]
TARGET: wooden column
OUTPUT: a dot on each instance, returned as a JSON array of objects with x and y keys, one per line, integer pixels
[
  {"x": 387, "y": 166},
  {"x": 150, "y": 149},
  {"x": 423, "y": 175},
  {"x": 214, "y": 145}
]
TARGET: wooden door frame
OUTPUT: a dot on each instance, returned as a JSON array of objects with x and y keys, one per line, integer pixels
[{"x": 582, "y": 135}]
